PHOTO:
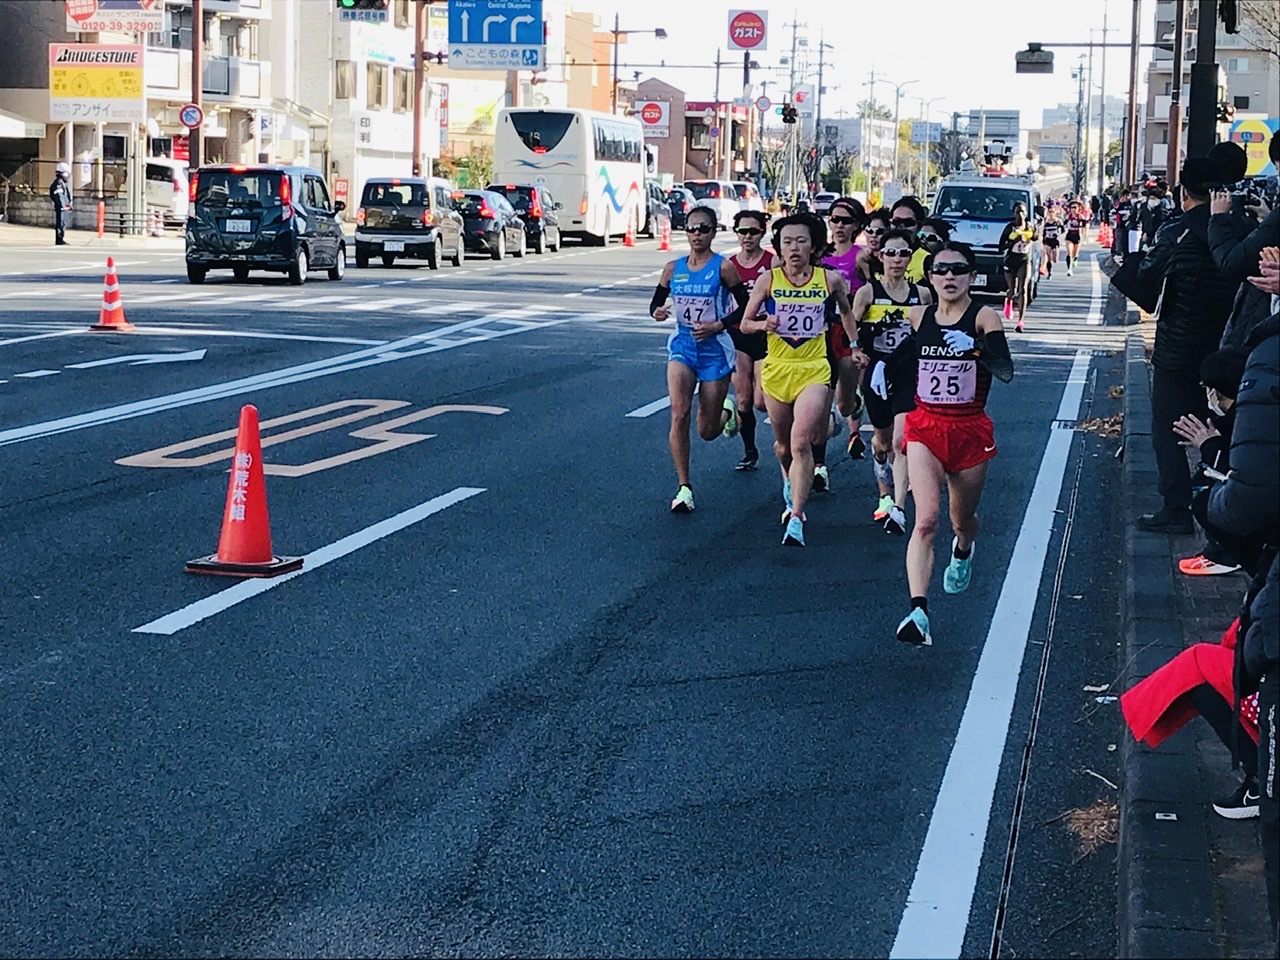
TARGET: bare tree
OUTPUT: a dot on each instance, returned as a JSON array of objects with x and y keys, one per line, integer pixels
[
  {"x": 1260, "y": 23},
  {"x": 773, "y": 164}
]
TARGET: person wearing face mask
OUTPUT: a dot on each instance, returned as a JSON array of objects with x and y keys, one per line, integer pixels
[
  {"x": 1151, "y": 214},
  {"x": 1220, "y": 373}
]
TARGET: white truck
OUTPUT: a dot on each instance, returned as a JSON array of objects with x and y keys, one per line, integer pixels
[{"x": 978, "y": 206}]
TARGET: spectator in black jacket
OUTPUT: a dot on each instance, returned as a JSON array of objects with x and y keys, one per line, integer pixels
[
  {"x": 1247, "y": 503},
  {"x": 1193, "y": 312}
]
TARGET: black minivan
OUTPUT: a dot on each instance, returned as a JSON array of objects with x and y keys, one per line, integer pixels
[{"x": 263, "y": 217}]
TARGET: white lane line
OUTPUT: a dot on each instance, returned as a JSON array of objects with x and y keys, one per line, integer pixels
[
  {"x": 249, "y": 334},
  {"x": 1095, "y": 304},
  {"x": 649, "y": 409},
  {"x": 170, "y": 280},
  {"x": 33, "y": 374},
  {"x": 40, "y": 336},
  {"x": 225, "y": 599},
  {"x": 572, "y": 294}
]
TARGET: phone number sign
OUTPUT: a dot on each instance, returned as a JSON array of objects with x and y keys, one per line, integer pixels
[{"x": 115, "y": 16}]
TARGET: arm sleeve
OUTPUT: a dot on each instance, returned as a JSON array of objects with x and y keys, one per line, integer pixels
[
  {"x": 660, "y": 294},
  {"x": 994, "y": 355},
  {"x": 740, "y": 296}
]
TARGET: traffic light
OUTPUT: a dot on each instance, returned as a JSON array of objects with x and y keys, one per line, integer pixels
[
  {"x": 373, "y": 6},
  {"x": 788, "y": 113},
  {"x": 1226, "y": 112}
]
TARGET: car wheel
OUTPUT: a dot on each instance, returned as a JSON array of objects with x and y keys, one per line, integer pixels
[
  {"x": 456, "y": 260},
  {"x": 298, "y": 272},
  {"x": 240, "y": 273},
  {"x": 521, "y": 245},
  {"x": 362, "y": 259},
  {"x": 559, "y": 243},
  {"x": 388, "y": 259},
  {"x": 500, "y": 246},
  {"x": 339, "y": 268},
  {"x": 541, "y": 246},
  {"x": 196, "y": 274},
  {"x": 431, "y": 258}
]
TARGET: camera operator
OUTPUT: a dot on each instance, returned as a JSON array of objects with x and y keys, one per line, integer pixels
[{"x": 1236, "y": 239}]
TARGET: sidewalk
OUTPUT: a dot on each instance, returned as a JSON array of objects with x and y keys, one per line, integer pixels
[
  {"x": 1191, "y": 882},
  {"x": 20, "y": 235}
]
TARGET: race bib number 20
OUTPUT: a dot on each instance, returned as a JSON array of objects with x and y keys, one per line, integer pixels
[
  {"x": 801, "y": 321},
  {"x": 947, "y": 381}
]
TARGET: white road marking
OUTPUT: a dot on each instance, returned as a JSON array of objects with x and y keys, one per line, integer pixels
[
  {"x": 33, "y": 374},
  {"x": 1095, "y": 304},
  {"x": 40, "y": 336},
  {"x": 649, "y": 409},
  {"x": 937, "y": 912},
  {"x": 142, "y": 359},
  {"x": 225, "y": 599},
  {"x": 249, "y": 334}
]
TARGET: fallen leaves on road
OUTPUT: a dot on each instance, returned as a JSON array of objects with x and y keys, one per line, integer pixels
[
  {"x": 1111, "y": 426},
  {"x": 1115, "y": 391},
  {"x": 1094, "y": 826}
]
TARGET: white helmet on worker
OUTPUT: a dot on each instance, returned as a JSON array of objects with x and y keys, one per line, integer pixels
[{"x": 63, "y": 169}]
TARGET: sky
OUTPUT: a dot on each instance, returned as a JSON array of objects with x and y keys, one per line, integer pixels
[{"x": 962, "y": 53}]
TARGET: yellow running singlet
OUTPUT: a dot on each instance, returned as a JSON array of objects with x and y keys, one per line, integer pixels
[{"x": 797, "y": 352}]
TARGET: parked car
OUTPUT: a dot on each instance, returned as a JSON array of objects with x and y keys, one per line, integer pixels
[
  {"x": 410, "y": 217},
  {"x": 490, "y": 224},
  {"x": 748, "y": 196},
  {"x": 822, "y": 202},
  {"x": 719, "y": 195},
  {"x": 539, "y": 211},
  {"x": 680, "y": 201},
  {"x": 167, "y": 188},
  {"x": 655, "y": 210},
  {"x": 263, "y": 217}
]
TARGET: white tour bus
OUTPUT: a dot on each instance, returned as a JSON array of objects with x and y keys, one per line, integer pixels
[{"x": 592, "y": 163}]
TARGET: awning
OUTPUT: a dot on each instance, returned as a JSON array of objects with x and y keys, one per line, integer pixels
[{"x": 14, "y": 127}]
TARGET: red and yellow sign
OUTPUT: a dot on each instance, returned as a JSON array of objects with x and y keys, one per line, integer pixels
[{"x": 96, "y": 82}]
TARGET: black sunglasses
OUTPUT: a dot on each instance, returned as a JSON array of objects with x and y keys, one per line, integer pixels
[
  {"x": 903, "y": 223},
  {"x": 874, "y": 231},
  {"x": 844, "y": 221},
  {"x": 700, "y": 228},
  {"x": 929, "y": 237},
  {"x": 957, "y": 268},
  {"x": 748, "y": 232}
]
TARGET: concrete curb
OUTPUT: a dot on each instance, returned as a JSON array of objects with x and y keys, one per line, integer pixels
[{"x": 1166, "y": 893}]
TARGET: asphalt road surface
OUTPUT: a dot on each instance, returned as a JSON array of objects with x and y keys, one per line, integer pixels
[{"x": 512, "y": 705}]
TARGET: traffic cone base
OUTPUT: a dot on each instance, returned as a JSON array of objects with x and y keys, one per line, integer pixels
[
  {"x": 244, "y": 546},
  {"x": 111, "y": 314}
]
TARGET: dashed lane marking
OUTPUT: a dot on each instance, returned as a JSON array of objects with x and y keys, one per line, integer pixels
[{"x": 33, "y": 374}]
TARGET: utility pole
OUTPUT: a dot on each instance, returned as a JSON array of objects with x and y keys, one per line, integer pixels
[
  {"x": 1131, "y": 113},
  {"x": 715, "y": 141},
  {"x": 817, "y": 116},
  {"x": 419, "y": 79},
  {"x": 195, "y": 138},
  {"x": 864, "y": 141},
  {"x": 1202, "y": 116},
  {"x": 1076, "y": 176},
  {"x": 791, "y": 92},
  {"x": 1173, "y": 161},
  {"x": 1088, "y": 112},
  {"x": 1102, "y": 107}
]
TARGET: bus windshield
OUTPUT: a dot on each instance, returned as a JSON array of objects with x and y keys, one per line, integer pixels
[{"x": 978, "y": 203}]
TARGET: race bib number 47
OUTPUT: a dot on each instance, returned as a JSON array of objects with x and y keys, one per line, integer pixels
[
  {"x": 947, "y": 381},
  {"x": 691, "y": 311}
]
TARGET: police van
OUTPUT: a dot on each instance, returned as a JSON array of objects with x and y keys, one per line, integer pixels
[{"x": 979, "y": 204}]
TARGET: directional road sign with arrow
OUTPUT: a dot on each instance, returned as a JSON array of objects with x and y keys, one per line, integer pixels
[{"x": 496, "y": 35}]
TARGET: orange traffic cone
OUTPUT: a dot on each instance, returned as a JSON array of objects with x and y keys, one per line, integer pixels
[
  {"x": 665, "y": 243},
  {"x": 244, "y": 548},
  {"x": 111, "y": 315},
  {"x": 629, "y": 238}
]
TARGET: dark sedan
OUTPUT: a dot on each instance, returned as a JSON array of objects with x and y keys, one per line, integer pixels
[
  {"x": 680, "y": 201},
  {"x": 490, "y": 224},
  {"x": 538, "y": 209}
]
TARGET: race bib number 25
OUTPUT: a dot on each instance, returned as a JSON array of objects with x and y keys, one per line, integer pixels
[{"x": 947, "y": 381}]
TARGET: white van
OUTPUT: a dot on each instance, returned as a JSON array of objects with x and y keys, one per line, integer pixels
[
  {"x": 167, "y": 187},
  {"x": 719, "y": 195}
]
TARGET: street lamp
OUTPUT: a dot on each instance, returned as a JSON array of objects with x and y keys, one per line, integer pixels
[
  {"x": 925, "y": 106},
  {"x": 897, "y": 102},
  {"x": 658, "y": 32}
]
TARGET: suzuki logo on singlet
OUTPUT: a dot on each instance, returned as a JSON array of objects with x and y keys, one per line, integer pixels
[{"x": 816, "y": 293}]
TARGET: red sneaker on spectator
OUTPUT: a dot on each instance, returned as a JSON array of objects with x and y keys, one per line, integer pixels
[{"x": 1202, "y": 566}]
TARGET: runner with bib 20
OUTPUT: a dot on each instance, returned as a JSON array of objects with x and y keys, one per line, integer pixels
[
  {"x": 797, "y": 373},
  {"x": 702, "y": 288},
  {"x": 956, "y": 348}
]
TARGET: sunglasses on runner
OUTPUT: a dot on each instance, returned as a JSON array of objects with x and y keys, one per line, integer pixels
[
  {"x": 749, "y": 232},
  {"x": 874, "y": 231},
  {"x": 904, "y": 252},
  {"x": 844, "y": 221},
  {"x": 929, "y": 237},
  {"x": 957, "y": 268},
  {"x": 700, "y": 228},
  {"x": 902, "y": 223}
]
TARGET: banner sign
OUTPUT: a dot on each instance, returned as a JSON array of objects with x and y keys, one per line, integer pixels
[
  {"x": 96, "y": 82},
  {"x": 115, "y": 16},
  {"x": 655, "y": 118}
]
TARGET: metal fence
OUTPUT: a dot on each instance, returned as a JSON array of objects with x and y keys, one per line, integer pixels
[{"x": 35, "y": 176}]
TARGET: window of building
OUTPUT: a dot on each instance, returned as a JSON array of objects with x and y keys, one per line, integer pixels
[
  {"x": 403, "y": 83},
  {"x": 176, "y": 34},
  {"x": 1168, "y": 87},
  {"x": 376, "y": 79},
  {"x": 1237, "y": 65},
  {"x": 1240, "y": 103},
  {"x": 699, "y": 137},
  {"x": 402, "y": 12},
  {"x": 344, "y": 77}
]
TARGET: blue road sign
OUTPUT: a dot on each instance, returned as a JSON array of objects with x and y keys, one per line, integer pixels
[{"x": 496, "y": 35}]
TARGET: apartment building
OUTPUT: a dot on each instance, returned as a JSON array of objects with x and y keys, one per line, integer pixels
[{"x": 1249, "y": 80}]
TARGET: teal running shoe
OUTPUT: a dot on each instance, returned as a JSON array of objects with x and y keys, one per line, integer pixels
[
  {"x": 959, "y": 572},
  {"x": 731, "y": 425},
  {"x": 914, "y": 629},
  {"x": 683, "y": 502},
  {"x": 794, "y": 537}
]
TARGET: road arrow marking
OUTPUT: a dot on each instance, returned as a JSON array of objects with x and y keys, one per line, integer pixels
[
  {"x": 142, "y": 359},
  {"x": 515, "y": 25},
  {"x": 484, "y": 30}
]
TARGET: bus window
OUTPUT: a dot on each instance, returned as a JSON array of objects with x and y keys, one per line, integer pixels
[{"x": 541, "y": 131}]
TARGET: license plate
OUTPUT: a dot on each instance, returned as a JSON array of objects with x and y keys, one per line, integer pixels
[
  {"x": 393, "y": 246},
  {"x": 237, "y": 226},
  {"x": 980, "y": 280}
]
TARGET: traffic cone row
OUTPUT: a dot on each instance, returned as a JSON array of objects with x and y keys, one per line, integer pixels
[
  {"x": 155, "y": 224},
  {"x": 111, "y": 315},
  {"x": 1104, "y": 234},
  {"x": 664, "y": 244},
  {"x": 244, "y": 546},
  {"x": 629, "y": 238}
]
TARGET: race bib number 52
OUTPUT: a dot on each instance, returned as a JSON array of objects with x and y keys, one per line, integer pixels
[
  {"x": 691, "y": 311},
  {"x": 947, "y": 381},
  {"x": 888, "y": 339}
]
